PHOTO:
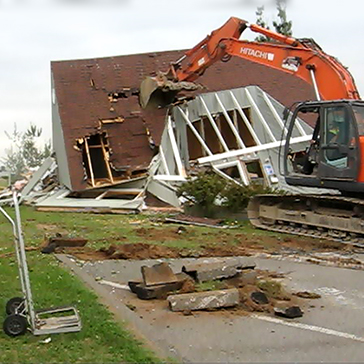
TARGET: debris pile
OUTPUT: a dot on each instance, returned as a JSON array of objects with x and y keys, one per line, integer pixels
[{"x": 222, "y": 283}]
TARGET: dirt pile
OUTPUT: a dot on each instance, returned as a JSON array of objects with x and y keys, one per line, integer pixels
[{"x": 139, "y": 251}]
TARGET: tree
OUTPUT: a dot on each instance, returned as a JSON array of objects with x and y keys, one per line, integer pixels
[
  {"x": 25, "y": 152},
  {"x": 281, "y": 25},
  {"x": 261, "y": 22}
]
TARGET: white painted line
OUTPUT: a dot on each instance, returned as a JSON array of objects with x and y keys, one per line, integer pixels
[
  {"x": 115, "y": 285},
  {"x": 319, "y": 329}
]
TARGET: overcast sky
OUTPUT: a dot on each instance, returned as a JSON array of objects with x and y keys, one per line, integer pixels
[{"x": 35, "y": 32}]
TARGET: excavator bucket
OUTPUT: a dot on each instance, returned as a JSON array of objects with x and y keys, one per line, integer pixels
[{"x": 160, "y": 91}]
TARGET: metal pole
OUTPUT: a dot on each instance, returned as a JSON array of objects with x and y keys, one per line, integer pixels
[
  {"x": 24, "y": 265},
  {"x": 315, "y": 87}
]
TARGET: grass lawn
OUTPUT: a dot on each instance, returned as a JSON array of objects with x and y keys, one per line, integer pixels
[{"x": 101, "y": 339}]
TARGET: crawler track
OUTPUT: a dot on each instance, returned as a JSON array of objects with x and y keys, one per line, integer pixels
[{"x": 327, "y": 217}]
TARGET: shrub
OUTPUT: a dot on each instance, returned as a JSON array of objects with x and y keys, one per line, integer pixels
[
  {"x": 203, "y": 190},
  {"x": 236, "y": 197},
  {"x": 206, "y": 187}
]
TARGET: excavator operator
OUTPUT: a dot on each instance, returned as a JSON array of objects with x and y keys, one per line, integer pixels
[{"x": 336, "y": 133}]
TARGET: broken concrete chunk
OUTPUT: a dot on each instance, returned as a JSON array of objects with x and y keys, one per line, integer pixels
[
  {"x": 288, "y": 312},
  {"x": 203, "y": 272},
  {"x": 157, "y": 291},
  {"x": 204, "y": 300},
  {"x": 158, "y": 274},
  {"x": 308, "y": 295},
  {"x": 259, "y": 298},
  {"x": 244, "y": 278}
]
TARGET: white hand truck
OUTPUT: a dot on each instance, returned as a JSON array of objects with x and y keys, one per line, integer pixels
[{"x": 20, "y": 310}]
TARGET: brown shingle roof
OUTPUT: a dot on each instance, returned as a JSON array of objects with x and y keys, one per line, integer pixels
[{"x": 83, "y": 86}]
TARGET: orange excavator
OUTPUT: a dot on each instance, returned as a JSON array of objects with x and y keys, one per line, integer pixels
[
  {"x": 301, "y": 57},
  {"x": 334, "y": 158}
]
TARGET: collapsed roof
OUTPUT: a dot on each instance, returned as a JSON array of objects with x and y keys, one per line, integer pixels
[{"x": 101, "y": 135}]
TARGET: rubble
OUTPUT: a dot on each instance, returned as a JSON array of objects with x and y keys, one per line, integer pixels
[
  {"x": 158, "y": 291},
  {"x": 245, "y": 277},
  {"x": 288, "y": 312},
  {"x": 259, "y": 298},
  {"x": 203, "y": 272},
  {"x": 308, "y": 295},
  {"x": 103, "y": 176},
  {"x": 210, "y": 285},
  {"x": 158, "y": 281},
  {"x": 158, "y": 274},
  {"x": 204, "y": 300}
]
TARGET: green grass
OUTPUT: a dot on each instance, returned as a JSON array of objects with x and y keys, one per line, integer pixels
[
  {"x": 273, "y": 289},
  {"x": 210, "y": 286},
  {"x": 4, "y": 183},
  {"x": 101, "y": 339}
]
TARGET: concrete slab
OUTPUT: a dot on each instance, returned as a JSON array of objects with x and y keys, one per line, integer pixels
[
  {"x": 158, "y": 274},
  {"x": 223, "y": 268},
  {"x": 331, "y": 329},
  {"x": 204, "y": 300}
]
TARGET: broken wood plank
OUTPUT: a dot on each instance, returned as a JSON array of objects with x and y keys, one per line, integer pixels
[
  {"x": 89, "y": 163},
  {"x": 106, "y": 158},
  {"x": 183, "y": 222}
]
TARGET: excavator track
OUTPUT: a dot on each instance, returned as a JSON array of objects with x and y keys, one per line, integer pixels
[{"x": 329, "y": 217}]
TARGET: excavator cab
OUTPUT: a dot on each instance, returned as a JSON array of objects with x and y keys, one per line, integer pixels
[{"x": 333, "y": 157}]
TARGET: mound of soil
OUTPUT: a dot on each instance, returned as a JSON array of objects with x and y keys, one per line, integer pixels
[{"x": 139, "y": 251}]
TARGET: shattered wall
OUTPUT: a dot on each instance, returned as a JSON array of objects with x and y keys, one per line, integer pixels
[{"x": 97, "y": 99}]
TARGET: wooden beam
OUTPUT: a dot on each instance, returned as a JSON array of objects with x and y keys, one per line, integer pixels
[
  {"x": 89, "y": 163},
  {"x": 106, "y": 158}
]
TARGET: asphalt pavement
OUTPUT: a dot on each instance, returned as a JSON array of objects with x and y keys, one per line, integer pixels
[{"x": 331, "y": 329}]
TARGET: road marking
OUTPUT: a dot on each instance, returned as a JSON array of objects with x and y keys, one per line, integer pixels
[
  {"x": 115, "y": 285},
  {"x": 322, "y": 330}
]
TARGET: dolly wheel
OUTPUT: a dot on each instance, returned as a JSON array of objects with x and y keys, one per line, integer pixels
[
  {"x": 15, "y": 325},
  {"x": 13, "y": 304}
]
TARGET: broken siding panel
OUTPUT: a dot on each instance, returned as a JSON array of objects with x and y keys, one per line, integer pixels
[{"x": 58, "y": 142}]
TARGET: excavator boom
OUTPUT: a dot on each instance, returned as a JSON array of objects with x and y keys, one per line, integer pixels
[{"x": 300, "y": 57}]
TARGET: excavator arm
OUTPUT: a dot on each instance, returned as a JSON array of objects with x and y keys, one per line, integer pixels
[{"x": 302, "y": 58}]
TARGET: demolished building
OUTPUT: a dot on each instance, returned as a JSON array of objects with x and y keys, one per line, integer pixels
[{"x": 111, "y": 153}]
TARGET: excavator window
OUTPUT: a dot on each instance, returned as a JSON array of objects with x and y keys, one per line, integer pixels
[
  {"x": 338, "y": 133},
  {"x": 359, "y": 116}
]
